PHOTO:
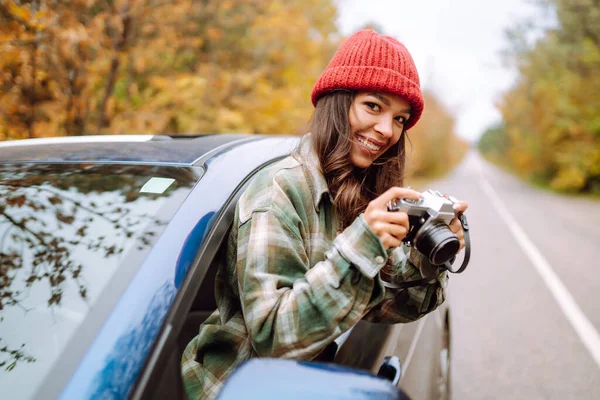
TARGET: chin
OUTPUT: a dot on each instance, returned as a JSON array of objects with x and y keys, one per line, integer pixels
[{"x": 361, "y": 162}]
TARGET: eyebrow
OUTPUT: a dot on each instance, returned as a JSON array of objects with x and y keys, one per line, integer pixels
[{"x": 385, "y": 101}]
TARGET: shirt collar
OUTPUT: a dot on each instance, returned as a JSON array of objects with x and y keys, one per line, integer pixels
[{"x": 307, "y": 156}]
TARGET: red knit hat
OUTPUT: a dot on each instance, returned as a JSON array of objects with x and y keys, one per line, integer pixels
[{"x": 370, "y": 61}]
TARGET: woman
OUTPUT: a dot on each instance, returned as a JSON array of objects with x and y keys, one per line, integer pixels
[{"x": 312, "y": 236}]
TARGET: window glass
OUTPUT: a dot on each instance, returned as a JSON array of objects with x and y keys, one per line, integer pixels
[{"x": 64, "y": 232}]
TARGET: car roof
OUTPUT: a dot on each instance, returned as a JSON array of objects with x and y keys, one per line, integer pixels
[{"x": 140, "y": 149}]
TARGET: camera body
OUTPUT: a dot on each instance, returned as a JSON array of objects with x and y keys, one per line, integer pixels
[{"x": 428, "y": 219}]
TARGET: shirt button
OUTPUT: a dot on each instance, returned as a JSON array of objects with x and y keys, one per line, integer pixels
[{"x": 379, "y": 260}]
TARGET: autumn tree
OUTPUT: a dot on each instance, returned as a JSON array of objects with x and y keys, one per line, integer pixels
[
  {"x": 152, "y": 66},
  {"x": 76, "y": 67},
  {"x": 433, "y": 146},
  {"x": 551, "y": 115},
  {"x": 46, "y": 51}
]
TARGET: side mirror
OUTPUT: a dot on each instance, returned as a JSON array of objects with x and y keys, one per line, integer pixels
[{"x": 266, "y": 379}]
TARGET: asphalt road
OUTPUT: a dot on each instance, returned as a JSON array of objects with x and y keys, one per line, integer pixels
[{"x": 526, "y": 312}]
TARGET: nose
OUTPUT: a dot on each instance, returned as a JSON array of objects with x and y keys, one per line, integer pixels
[{"x": 384, "y": 127}]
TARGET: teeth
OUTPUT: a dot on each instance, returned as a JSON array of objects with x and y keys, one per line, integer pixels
[{"x": 368, "y": 144}]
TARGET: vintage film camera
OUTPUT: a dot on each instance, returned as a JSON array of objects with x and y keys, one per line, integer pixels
[{"x": 429, "y": 232}]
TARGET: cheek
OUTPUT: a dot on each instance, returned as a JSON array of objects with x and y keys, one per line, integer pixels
[
  {"x": 359, "y": 120},
  {"x": 396, "y": 138},
  {"x": 399, "y": 134},
  {"x": 353, "y": 120}
]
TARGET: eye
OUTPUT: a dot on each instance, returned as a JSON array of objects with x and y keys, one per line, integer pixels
[
  {"x": 401, "y": 120},
  {"x": 373, "y": 106}
]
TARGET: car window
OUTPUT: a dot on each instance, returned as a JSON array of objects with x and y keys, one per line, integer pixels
[
  {"x": 161, "y": 377},
  {"x": 65, "y": 229}
]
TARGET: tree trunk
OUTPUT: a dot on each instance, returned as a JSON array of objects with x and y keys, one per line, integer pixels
[{"x": 120, "y": 45}]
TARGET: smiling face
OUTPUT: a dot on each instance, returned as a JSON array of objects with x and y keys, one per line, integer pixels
[{"x": 376, "y": 120}]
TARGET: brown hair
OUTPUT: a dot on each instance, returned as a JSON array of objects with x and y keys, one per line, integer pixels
[{"x": 352, "y": 188}]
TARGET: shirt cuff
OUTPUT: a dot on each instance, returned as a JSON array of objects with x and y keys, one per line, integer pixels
[{"x": 362, "y": 247}]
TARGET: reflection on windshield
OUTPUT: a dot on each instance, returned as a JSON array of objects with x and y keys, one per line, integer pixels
[{"x": 64, "y": 231}]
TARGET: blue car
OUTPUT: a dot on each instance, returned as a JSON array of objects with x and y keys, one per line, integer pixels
[{"x": 109, "y": 247}]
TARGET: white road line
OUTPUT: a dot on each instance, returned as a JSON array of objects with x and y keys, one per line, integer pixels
[{"x": 584, "y": 328}]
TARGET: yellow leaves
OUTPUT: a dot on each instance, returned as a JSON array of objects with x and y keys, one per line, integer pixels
[
  {"x": 188, "y": 66},
  {"x": 159, "y": 82},
  {"x": 214, "y": 34},
  {"x": 591, "y": 52},
  {"x": 435, "y": 147},
  {"x": 23, "y": 16},
  {"x": 577, "y": 165},
  {"x": 551, "y": 114},
  {"x": 593, "y": 162},
  {"x": 230, "y": 121},
  {"x": 21, "y": 13},
  {"x": 139, "y": 64},
  {"x": 226, "y": 5},
  {"x": 196, "y": 42},
  {"x": 571, "y": 178},
  {"x": 190, "y": 82}
]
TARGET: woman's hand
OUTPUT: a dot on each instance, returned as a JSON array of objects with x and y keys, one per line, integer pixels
[
  {"x": 391, "y": 227},
  {"x": 455, "y": 225}
]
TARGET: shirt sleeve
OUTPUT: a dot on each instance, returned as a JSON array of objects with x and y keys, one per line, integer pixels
[
  {"x": 400, "y": 305},
  {"x": 293, "y": 309}
]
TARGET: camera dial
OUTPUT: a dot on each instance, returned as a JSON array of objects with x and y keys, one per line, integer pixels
[{"x": 412, "y": 202}]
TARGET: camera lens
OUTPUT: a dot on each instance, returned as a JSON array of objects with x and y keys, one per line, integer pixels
[{"x": 437, "y": 242}]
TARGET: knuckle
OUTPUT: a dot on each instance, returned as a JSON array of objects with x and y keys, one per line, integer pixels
[
  {"x": 401, "y": 218},
  {"x": 376, "y": 227}
]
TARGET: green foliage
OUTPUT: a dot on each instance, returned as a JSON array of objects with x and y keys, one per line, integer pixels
[
  {"x": 551, "y": 115},
  {"x": 494, "y": 141}
]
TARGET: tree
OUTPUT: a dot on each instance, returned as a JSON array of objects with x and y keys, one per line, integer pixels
[
  {"x": 153, "y": 66},
  {"x": 434, "y": 147},
  {"x": 552, "y": 113}
]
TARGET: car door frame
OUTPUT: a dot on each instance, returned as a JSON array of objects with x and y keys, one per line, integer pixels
[{"x": 159, "y": 359}]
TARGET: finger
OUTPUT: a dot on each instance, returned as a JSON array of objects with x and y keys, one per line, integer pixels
[
  {"x": 397, "y": 231},
  {"x": 390, "y": 241},
  {"x": 455, "y": 225},
  {"x": 398, "y": 218},
  {"x": 381, "y": 228},
  {"x": 460, "y": 207},
  {"x": 395, "y": 192}
]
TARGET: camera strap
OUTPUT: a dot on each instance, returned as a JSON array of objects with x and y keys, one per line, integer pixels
[
  {"x": 465, "y": 225},
  {"x": 448, "y": 265}
]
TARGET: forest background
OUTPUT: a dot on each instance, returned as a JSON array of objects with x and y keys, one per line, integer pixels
[
  {"x": 82, "y": 67},
  {"x": 550, "y": 133}
]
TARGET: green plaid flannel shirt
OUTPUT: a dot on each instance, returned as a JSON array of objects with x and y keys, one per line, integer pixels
[{"x": 293, "y": 283}]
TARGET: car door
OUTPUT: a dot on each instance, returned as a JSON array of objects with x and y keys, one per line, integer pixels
[
  {"x": 415, "y": 355},
  {"x": 161, "y": 377}
]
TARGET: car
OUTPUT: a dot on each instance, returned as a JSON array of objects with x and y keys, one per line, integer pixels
[{"x": 109, "y": 247}]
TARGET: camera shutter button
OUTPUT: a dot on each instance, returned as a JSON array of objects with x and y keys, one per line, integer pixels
[{"x": 379, "y": 260}]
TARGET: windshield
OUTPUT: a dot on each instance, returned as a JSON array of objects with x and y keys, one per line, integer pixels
[{"x": 64, "y": 231}]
